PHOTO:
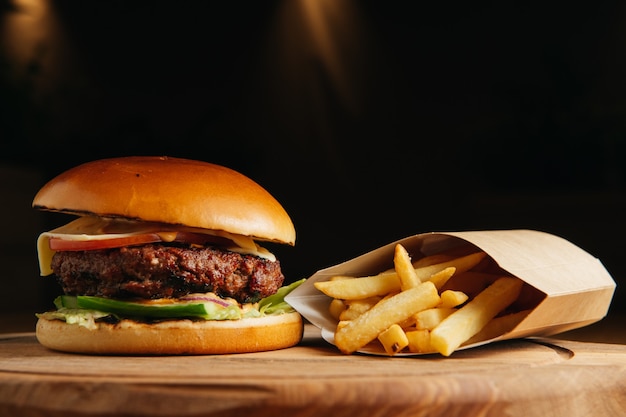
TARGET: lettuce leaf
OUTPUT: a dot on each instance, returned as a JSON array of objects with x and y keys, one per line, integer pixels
[
  {"x": 86, "y": 310},
  {"x": 85, "y": 318},
  {"x": 275, "y": 303}
]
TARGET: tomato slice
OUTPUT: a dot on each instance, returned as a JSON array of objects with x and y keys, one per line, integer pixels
[{"x": 59, "y": 244}]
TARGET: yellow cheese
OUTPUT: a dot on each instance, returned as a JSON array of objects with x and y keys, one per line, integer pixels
[{"x": 97, "y": 228}]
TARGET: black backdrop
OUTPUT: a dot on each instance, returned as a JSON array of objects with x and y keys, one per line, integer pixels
[{"x": 369, "y": 121}]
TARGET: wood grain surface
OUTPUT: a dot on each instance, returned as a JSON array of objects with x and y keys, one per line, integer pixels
[{"x": 540, "y": 377}]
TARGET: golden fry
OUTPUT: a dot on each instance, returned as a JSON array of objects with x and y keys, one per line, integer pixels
[
  {"x": 462, "y": 264},
  {"x": 393, "y": 339},
  {"x": 440, "y": 278},
  {"x": 429, "y": 319},
  {"x": 336, "y": 307},
  {"x": 404, "y": 268},
  {"x": 473, "y": 316},
  {"x": 419, "y": 341},
  {"x": 452, "y": 298},
  {"x": 357, "y": 307},
  {"x": 357, "y": 288}
]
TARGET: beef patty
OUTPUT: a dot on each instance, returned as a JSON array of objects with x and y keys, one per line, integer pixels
[{"x": 161, "y": 271}]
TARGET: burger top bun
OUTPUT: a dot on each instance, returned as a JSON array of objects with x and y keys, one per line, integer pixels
[{"x": 169, "y": 190}]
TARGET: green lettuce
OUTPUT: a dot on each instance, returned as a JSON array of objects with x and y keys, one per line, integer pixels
[{"x": 86, "y": 310}]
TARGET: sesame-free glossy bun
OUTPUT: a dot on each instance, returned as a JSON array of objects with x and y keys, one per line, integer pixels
[
  {"x": 169, "y": 190},
  {"x": 176, "y": 337}
]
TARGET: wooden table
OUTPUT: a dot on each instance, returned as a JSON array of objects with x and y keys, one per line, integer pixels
[{"x": 543, "y": 377}]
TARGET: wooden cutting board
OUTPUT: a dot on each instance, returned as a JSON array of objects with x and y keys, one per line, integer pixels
[{"x": 543, "y": 377}]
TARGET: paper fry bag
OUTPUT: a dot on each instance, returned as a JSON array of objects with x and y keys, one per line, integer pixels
[{"x": 565, "y": 287}]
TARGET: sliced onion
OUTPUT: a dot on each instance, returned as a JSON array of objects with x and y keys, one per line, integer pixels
[{"x": 205, "y": 298}]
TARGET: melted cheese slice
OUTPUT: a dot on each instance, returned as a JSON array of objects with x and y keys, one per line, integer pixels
[{"x": 97, "y": 228}]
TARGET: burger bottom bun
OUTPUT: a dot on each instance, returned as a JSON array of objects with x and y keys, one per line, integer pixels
[{"x": 178, "y": 337}]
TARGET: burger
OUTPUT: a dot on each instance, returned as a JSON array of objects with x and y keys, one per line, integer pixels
[{"x": 164, "y": 258}]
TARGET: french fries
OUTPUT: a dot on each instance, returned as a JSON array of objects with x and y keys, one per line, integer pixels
[
  {"x": 415, "y": 307},
  {"x": 362, "y": 330},
  {"x": 387, "y": 282}
]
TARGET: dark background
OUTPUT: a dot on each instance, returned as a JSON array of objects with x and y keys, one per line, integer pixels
[{"x": 370, "y": 121}]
